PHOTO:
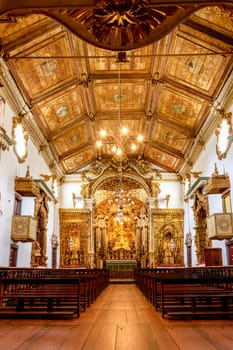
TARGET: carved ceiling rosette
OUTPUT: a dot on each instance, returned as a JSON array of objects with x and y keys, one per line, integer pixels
[{"x": 124, "y": 25}]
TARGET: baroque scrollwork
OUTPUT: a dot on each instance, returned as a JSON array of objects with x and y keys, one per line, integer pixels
[
  {"x": 74, "y": 235},
  {"x": 201, "y": 211},
  {"x": 124, "y": 24}
]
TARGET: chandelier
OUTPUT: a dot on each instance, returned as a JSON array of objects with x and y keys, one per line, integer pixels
[
  {"x": 119, "y": 140},
  {"x": 121, "y": 203}
]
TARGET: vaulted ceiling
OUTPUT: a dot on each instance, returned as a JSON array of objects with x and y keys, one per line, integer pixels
[{"x": 157, "y": 67}]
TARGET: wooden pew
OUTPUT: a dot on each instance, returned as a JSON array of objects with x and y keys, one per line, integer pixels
[
  {"x": 49, "y": 292},
  {"x": 40, "y": 297},
  {"x": 183, "y": 292},
  {"x": 196, "y": 296}
]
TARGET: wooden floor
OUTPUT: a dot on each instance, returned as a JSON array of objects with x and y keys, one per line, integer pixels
[{"x": 120, "y": 319}]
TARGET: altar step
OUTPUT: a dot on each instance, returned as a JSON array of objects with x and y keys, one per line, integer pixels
[
  {"x": 121, "y": 281},
  {"x": 121, "y": 275}
]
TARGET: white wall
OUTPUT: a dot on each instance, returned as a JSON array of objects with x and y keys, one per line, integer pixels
[
  {"x": 175, "y": 190},
  {"x": 9, "y": 169},
  {"x": 205, "y": 163},
  {"x": 70, "y": 186}
]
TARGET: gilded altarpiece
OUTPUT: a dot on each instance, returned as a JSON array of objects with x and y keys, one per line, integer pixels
[
  {"x": 168, "y": 236},
  {"x": 75, "y": 227}
]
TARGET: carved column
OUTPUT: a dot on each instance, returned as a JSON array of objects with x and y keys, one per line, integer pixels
[{"x": 201, "y": 211}]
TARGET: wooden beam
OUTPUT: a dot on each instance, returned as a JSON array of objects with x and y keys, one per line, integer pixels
[{"x": 167, "y": 149}]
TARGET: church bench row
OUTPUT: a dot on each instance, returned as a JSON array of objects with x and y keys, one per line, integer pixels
[
  {"x": 188, "y": 292},
  {"x": 51, "y": 293}
]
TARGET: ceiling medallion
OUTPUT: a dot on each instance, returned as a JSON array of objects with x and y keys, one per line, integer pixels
[
  {"x": 20, "y": 137},
  {"x": 124, "y": 25}
]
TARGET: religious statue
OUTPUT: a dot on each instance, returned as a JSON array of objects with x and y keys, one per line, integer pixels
[
  {"x": 142, "y": 228},
  {"x": 168, "y": 249},
  {"x": 155, "y": 192},
  {"x": 85, "y": 191},
  {"x": 36, "y": 254},
  {"x": 41, "y": 212},
  {"x": 155, "y": 189}
]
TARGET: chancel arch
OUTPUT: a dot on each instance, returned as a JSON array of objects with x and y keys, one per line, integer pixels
[{"x": 121, "y": 219}]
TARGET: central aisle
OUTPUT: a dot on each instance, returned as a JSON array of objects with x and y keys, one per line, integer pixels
[
  {"x": 121, "y": 319},
  {"x": 126, "y": 321}
]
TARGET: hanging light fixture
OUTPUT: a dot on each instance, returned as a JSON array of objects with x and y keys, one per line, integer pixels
[
  {"x": 120, "y": 142},
  {"x": 120, "y": 139}
]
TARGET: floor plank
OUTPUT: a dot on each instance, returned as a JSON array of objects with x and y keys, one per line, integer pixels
[{"x": 120, "y": 319}]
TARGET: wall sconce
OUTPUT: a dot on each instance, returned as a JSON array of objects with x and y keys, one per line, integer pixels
[
  {"x": 5, "y": 141},
  {"x": 20, "y": 138},
  {"x": 224, "y": 133}
]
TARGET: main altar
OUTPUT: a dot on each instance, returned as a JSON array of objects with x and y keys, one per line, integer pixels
[{"x": 121, "y": 226}]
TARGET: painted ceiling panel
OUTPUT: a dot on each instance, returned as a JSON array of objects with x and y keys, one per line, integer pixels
[
  {"x": 163, "y": 88},
  {"x": 181, "y": 107},
  {"x": 199, "y": 68},
  {"x": 78, "y": 136},
  {"x": 78, "y": 161},
  {"x": 128, "y": 96},
  {"x": 61, "y": 110},
  {"x": 169, "y": 136}
]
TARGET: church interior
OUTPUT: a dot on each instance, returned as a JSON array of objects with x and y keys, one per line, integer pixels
[
  {"x": 121, "y": 109},
  {"x": 116, "y": 135}
]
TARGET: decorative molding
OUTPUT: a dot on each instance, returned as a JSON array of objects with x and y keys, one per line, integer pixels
[
  {"x": 42, "y": 185},
  {"x": 199, "y": 183},
  {"x": 110, "y": 25}
]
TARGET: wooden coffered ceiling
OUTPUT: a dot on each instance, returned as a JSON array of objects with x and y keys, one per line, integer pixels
[{"x": 158, "y": 66}]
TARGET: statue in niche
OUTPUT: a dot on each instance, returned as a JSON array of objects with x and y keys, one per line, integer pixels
[
  {"x": 41, "y": 213},
  {"x": 132, "y": 250},
  {"x": 168, "y": 249},
  {"x": 86, "y": 190},
  {"x": 155, "y": 192},
  {"x": 109, "y": 250},
  {"x": 141, "y": 222},
  {"x": 123, "y": 239},
  {"x": 155, "y": 189},
  {"x": 36, "y": 254}
]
